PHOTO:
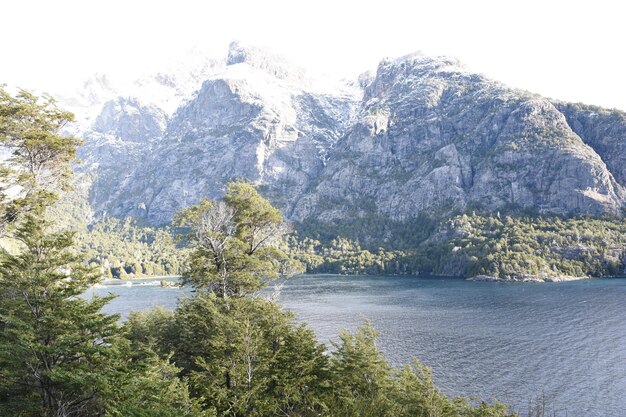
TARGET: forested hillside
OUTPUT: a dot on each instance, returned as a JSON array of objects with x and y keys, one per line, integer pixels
[
  {"x": 517, "y": 247},
  {"x": 222, "y": 352}
]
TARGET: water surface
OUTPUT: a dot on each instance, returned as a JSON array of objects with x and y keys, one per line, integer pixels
[{"x": 511, "y": 341}]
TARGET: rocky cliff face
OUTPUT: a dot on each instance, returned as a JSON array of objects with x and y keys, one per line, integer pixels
[
  {"x": 121, "y": 122},
  {"x": 602, "y": 129},
  {"x": 255, "y": 117},
  {"x": 433, "y": 137},
  {"x": 421, "y": 135}
]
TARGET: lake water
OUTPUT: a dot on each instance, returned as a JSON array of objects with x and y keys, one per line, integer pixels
[{"x": 511, "y": 341}]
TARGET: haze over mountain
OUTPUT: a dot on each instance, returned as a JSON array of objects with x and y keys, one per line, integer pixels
[{"x": 421, "y": 135}]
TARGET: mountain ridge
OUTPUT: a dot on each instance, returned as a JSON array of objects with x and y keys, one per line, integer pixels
[{"x": 422, "y": 135}]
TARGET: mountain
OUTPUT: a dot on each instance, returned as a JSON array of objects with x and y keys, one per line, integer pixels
[
  {"x": 423, "y": 135},
  {"x": 255, "y": 117},
  {"x": 431, "y": 136},
  {"x": 121, "y": 121}
]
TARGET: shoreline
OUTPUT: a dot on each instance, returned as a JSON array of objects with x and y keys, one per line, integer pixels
[
  {"x": 476, "y": 278},
  {"x": 529, "y": 278},
  {"x": 129, "y": 282},
  {"x": 487, "y": 278}
]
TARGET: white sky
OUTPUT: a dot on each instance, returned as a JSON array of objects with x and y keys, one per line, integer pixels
[{"x": 573, "y": 50}]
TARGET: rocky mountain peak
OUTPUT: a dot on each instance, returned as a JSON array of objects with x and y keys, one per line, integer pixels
[
  {"x": 417, "y": 65},
  {"x": 261, "y": 59},
  {"x": 421, "y": 135},
  {"x": 433, "y": 137},
  {"x": 407, "y": 74},
  {"x": 129, "y": 120}
]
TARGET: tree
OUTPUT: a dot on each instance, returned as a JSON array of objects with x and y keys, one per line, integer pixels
[
  {"x": 257, "y": 222},
  {"x": 135, "y": 268},
  {"x": 236, "y": 243},
  {"x": 363, "y": 378},
  {"x": 39, "y": 156},
  {"x": 416, "y": 394},
  {"x": 60, "y": 355},
  {"x": 365, "y": 384},
  {"x": 145, "y": 385},
  {"x": 55, "y": 347},
  {"x": 243, "y": 356}
]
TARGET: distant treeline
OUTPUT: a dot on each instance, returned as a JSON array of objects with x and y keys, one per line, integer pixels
[
  {"x": 507, "y": 247},
  {"x": 123, "y": 249}
]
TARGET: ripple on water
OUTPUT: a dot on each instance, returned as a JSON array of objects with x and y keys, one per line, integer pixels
[{"x": 512, "y": 341}]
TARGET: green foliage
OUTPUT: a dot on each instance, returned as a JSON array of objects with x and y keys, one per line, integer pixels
[
  {"x": 152, "y": 330},
  {"x": 343, "y": 256},
  {"x": 125, "y": 249},
  {"x": 145, "y": 385},
  {"x": 30, "y": 127},
  {"x": 512, "y": 247},
  {"x": 522, "y": 247},
  {"x": 246, "y": 357},
  {"x": 368, "y": 243},
  {"x": 235, "y": 243},
  {"x": 54, "y": 346},
  {"x": 371, "y": 230},
  {"x": 363, "y": 378},
  {"x": 257, "y": 222},
  {"x": 60, "y": 356},
  {"x": 39, "y": 157},
  {"x": 366, "y": 385},
  {"x": 113, "y": 244},
  {"x": 416, "y": 394}
]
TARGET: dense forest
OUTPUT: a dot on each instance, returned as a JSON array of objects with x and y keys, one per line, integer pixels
[
  {"x": 123, "y": 249},
  {"x": 222, "y": 352},
  {"x": 117, "y": 248},
  {"x": 515, "y": 246}
]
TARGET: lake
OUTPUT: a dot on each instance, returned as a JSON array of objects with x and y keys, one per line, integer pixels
[{"x": 513, "y": 341}]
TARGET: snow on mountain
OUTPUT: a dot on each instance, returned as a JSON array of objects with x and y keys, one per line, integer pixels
[{"x": 420, "y": 134}]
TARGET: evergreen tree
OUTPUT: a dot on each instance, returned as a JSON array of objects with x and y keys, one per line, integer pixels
[
  {"x": 55, "y": 347},
  {"x": 243, "y": 356},
  {"x": 60, "y": 356},
  {"x": 38, "y": 162},
  {"x": 362, "y": 377}
]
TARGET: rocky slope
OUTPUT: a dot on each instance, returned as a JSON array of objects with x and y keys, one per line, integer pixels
[
  {"x": 255, "y": 117},
  {"x": 433, "y": 137},
  {"x": 602, "y": 129},
  {"x": 121, "y": 121},
  {"x": 422, "y": 135}
]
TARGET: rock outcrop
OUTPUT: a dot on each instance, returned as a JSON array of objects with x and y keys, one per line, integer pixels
[
  {"x": 433, "y": 137},
  {"x": 257, "y": 119},
  {"x": 422, "y": 135}
]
